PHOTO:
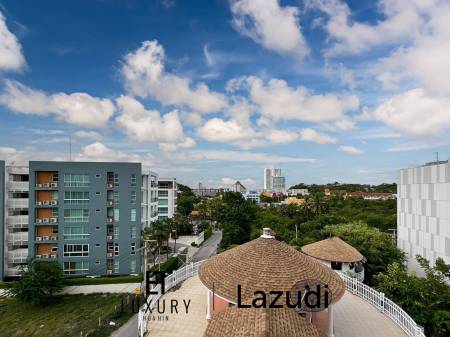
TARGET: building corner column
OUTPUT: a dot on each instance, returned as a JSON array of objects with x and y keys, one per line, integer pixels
[
  {"x": 209, "y": 304},
  {"x": 330, "y": 321}
]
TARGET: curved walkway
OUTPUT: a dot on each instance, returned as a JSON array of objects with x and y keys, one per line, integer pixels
[{"x": 354, "y": 317}]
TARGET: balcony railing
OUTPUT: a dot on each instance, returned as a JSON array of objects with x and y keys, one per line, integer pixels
[
  {"x": 17, "y": 257},
  {"x": 18, "y": 185},
  {"x": 18, "y": 203},
  {"x": 20, "y": 237},
  {"x": 17, "y": 219},
  {"x": 47, "y": 203},
  {"x": 49, "y": 185},
  {"x": 46, "y": 221},
  {"x": 46, "y": 238}
]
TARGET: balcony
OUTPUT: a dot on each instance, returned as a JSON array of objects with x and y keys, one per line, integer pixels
[
  {"x": 110, "y": 219},
  {"x": 46, "y": 203},
  {"x": 110, "y": 184},
  {"x": 17, "y": 220},
  {"x": 18, "y": 203},
  {"x": 110, "y": 202},
  {"x": 17, "y": 239},
  {"x": 46, "y": 239},
  {"x": 18, "y": 257},
  {"x": 47, "y": 221},
  {"x": 47, "y": 256},
  {"x": 18, "y": 185},
  {"x": 47, "y": 186}
]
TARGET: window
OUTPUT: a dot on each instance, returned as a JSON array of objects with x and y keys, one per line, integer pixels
[
  {"x": 163, "y": 210},
  {"x": 133, "y": 248},
  {"x": 163, "y": 194},
  {"x": 54, "y": 249},
  {"x": 97, "y": 176},
  {"x": 97, "y": 245},
  {"x": 133, "y": 231},
  {"x": 76, "y": 215},
  {"x": 76, "y": 268},
  {"x": 163, "y": 202},
  {"x": 97, "y": 193},
  {"x": 55, "y": 212},
  {"x": 75, "y": 232},
  {"x": 116, "y": 179},
  {"x": 76, "y": 250},
  {"x": 116, "y": 214},
  {"x": 76, "y": 180},
  {"x": 116, "y": 266},
  {"x": 133, "y": 197},
  {"x": 76, "y": 197},
  {"x": 116, "y": 197},
  {"x": 133, "y": 180},
  {"x": 97, "y": 210},
  {"x": 55, "y": 177},
  {"x": 116, "y": 232},
  {"x": 133, "y": 214},
  {"x": 116, "y": 249},
  {"x": 132, "y": 266},
  {"x": 97, "y": 228}
]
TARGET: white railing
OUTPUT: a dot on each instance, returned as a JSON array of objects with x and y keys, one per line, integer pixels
[
  {"x": 170, "y": 281},
  {"x": 17, "y": 219},
  {"x": 384, "y": 305},
  {"x": 18, "y": 185},
  {"x": 377, "y": 299},
  {"x": 18, "y": 203}
]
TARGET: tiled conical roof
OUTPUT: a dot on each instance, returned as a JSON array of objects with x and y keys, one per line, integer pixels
[
  {"x": 235, "y": 322},
  {"x": 333, "y": 249},
  {"x": 265, "y": 264}
]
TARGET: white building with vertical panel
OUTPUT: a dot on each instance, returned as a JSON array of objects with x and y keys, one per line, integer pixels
[
  {"x": 423, "y": 212},
  {"x": 167, "y": 197},
  {"x": 274, "y": 181},
  {"x": 149, "y": 198}
]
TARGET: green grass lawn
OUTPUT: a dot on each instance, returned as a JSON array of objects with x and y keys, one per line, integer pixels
[
  {"x": 70, "y": 316},
  {"x": 80, "y": 281}
]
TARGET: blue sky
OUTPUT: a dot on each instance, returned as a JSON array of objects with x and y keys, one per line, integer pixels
[{"x": 214, "y": 91}]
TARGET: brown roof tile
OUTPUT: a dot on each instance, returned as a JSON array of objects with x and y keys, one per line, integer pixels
[
  {"x": 333, "y": 249},
  {"x": 265, "y": 265},
  {"x": 235, "y": 322}
]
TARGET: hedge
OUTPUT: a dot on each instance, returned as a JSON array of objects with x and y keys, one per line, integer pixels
[
  {"x": 208, "y": 232},
  {"x": 81, "y": 281}
]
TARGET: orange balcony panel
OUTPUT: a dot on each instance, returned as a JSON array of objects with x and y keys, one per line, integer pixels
[
  {"x": 43, "y": 177},
  {"x": 45, "y": 231},
  {"x": 44, "y": 196},
  {"x": 44, "y": 213},
  {"x": 44, "y": 248}
]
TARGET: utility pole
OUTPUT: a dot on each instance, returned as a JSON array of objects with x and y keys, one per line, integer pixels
[
  {"x": 145, "y": 267},
  {"x": 296, "y": 232}
]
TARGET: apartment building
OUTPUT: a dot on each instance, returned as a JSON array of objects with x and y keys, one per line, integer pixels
[
  {"x": 274, "y": 181},
  {"x": 86, "y": 216},
  {"x": 149, "y": 198},
  {"x": 423, "y": 206},
  {"x": 167, "y": 197},
  {"x": 13, "y": 219}
]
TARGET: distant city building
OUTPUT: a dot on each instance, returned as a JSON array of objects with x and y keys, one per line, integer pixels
[
  {"x": 252, "y": 196},
  {"x": 208, "y": 192},
  {"x": 238, "y": 187},
  {"x": 167, "y": 197},
  {"x": 370, "y": 195},
  {"x": 274, "y": 181},
  {"x": 149, "y": 211},
  {"x": 297, "y": 191},
  {"x": 14, "y": 192},
  {"x": 423, "y": 212}
]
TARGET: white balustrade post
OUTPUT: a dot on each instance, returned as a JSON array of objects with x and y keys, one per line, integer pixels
[
  {"x": 382, "y": 302},
  {"x": 209, "y": 299},
  {"x": 330, "y": 321}
]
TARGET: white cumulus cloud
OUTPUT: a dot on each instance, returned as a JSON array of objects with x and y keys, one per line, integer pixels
[
  {"x": 76, "y": 108},
  {"x": 273, "y": 26},
  {"x": 145, "y": 75},
  {"x": 350, "y": 150},
  {"x": 11, "y": 57},
  {"x": 311, "y": 135}
]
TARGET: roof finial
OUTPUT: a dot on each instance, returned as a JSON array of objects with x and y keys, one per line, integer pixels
[{"x": 267, "y": 233}]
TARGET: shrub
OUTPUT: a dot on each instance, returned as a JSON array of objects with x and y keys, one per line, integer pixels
[{"x": 208, "y": 232}]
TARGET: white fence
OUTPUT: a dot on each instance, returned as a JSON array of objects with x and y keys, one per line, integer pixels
[
  {"x": 377, "y": 299},
  {"x": 170, "y": 281},
  {"x": 385, "y": 305}
]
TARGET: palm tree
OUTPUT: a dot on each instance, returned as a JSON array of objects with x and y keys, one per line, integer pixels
[{"x": 160, "y": 232}]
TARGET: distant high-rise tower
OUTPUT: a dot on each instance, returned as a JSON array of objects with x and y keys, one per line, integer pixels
[{"x": 273, "y": 181}]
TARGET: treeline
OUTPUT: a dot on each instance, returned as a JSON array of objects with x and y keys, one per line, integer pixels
[{"x": 382, "y": 188}]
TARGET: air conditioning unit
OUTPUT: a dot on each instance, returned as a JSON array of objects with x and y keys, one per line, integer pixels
[
  {"x": 45, "y": 220},
  {"x": 46, "y": 238},
  {"x": 109, "y": 185},
  {"x": 109, "y": 271},
  {"x": 38, "y": 256},
  {"x": 109, "y": 254},
  {"x": 38, "y": 185},
  {"x": 39, "y": 203},
  {"x": 109, "y": 237},
  {"x": 38, "y": 238},
  {"x": 54, "y": 184},
  {"x": 109, "y": 220},
  {"x": 109, "y": 202},
  {"x": 53, "y": 220},
  {"x": 45, "y": 185},
  {"x": 39, "y": 220},
  {"x": 54, "y": 202},
  {"x": 45, "y": 256},
  {"x": 54, "y": 256},
  {"x": 54, "y": 238},
  {"x": 46, "y": 203}
]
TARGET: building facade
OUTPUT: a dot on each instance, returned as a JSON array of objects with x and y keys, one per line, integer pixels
[
  {"x": 149, "y": 198},
  {"x": 423, "y": 219},
  {"x": 86, "y": 216},
  {"x": 167, "y": 197},
  {"x": 238, "y": 187},
  {"x": 252, "y": 196},
  {"x": 14, "y": 219},
  {"x": 274, "y": 181},
  {"x": 293, "y": 192}
]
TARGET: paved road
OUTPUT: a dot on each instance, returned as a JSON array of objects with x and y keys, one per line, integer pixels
[{"x": 208, "y": 248}]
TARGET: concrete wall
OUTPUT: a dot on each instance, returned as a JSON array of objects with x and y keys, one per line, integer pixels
[
  {"x": 423, "y": 213},
  {"x": 97, "y": 224}
]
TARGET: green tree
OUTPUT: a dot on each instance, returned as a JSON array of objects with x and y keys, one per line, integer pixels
[
  {"x": 39, "y": 283},
  {"x": 237, "y": 217},
  {"x": 425, "y": 299},
  {"x": 377, "y": 247},
  {"x": 160, "y": 232}
]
